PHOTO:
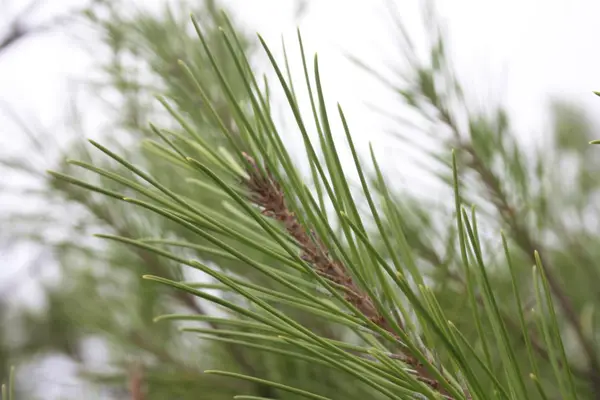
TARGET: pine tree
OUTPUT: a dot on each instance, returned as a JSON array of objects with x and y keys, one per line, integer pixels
[{"x": 261, "y": 281}]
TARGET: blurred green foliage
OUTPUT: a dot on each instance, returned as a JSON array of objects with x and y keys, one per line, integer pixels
[{"x": 543, "y": 198}]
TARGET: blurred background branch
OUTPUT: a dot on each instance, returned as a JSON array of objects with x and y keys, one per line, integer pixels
[
  {"x": 95, "y": 312},
  {"x": 19, "y": 22}
]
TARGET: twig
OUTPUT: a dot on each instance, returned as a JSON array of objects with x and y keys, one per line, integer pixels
[
  {"x": 135, "y": 382},
  {"x": 19, "y": 31}
]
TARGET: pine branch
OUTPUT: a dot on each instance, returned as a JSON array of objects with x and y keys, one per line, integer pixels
[
  {"x": 153, "y": 263},
  {"x": 265, "y": 192},
  {"x": 524, "y": 239}
]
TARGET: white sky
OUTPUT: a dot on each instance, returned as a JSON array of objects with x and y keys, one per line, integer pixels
[
  {"x": 518, "y": 52},
  {"x": 520, "y": 49}
]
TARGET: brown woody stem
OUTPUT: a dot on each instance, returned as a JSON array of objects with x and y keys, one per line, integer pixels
[{"x": 265, "y": 192}]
